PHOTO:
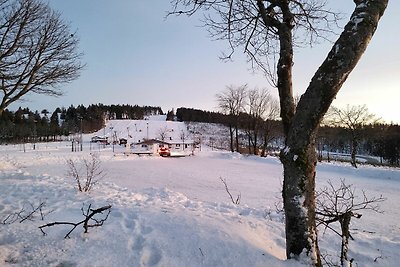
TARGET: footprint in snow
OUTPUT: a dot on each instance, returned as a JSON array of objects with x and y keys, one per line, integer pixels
[
  {"x": 138, "y": 243},
  {"x": 150, "y": 256},
  {"x": 145, "y": 229},
  {"x": 129, "y": 222}
]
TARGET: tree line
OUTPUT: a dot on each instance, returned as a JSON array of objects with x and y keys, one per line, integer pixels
[
  {"x": 25, "y": 125},
  {"x": 374, "y": 139},
  {"x": 255, "y": 134}
]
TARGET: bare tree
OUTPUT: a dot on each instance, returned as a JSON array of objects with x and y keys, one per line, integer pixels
[
  {"x": 38, "y": 51},
  {"x": 163, "y": 133},
  {"x": 183, "y": 135},
  {"x": 261, "y": 107},
  {"x": 269, "y": 127},
  {"x": 232, "y": 101},
  {"x": 352, "y": 118},
  {"x": 340, "y": 205},
  {"x": 267, "y": 29}
]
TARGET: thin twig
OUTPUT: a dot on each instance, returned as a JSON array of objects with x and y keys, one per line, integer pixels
[{"x": 237, "y": 201}]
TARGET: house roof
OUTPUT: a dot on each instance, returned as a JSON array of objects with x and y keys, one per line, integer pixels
[{"x": 152, "y": 141}]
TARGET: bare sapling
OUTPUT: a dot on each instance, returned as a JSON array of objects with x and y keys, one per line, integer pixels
[
  {"x": 341, "y": 205},
  {"x": 234, "y": 201},
  {"x": 88, "y": 222},
  {"x": 87, "y": 173}
]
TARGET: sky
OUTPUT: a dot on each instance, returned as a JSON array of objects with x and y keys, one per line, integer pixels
[{"x": 134, "y": 55}]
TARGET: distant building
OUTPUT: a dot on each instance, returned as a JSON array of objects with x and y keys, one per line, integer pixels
[{"x": 149, "y": 135}]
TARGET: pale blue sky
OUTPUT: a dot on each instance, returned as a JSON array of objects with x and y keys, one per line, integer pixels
[{"x": 136, "y": 56}]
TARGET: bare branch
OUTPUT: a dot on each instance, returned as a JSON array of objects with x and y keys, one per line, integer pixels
[
  {"x": 26, "y": 214},
  {"x": 255, "y": 25},
  {"x": 89, "y": 216},
  {"x": 237, "y": 201}
]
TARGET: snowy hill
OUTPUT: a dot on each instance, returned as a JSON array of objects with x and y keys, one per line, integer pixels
[
  {"x": 155, "y": 127},
  {"x": 175, "y": 211}
]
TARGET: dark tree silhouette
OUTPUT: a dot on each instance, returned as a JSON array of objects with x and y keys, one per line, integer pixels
[{"x": 38, "y": 51}]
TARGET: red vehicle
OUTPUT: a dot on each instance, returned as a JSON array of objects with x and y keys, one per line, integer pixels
[{"x": 164, "y": 151}]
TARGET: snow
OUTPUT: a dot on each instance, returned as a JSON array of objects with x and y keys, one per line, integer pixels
[
  {"x": 356, "y": 21},
  {"x": 175, "y": 211},
  {"x": 138, "y": 130},
  {"x": 286, "y": 150}
]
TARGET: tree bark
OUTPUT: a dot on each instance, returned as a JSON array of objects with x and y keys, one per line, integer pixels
[
  {"x": 299, "y": 202},
  {"x": 345, "y": 227}
]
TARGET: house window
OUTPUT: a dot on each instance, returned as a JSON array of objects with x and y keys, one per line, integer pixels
[
  {"x": 178, "y": 145},
  {"x": 144, "y": 145}
]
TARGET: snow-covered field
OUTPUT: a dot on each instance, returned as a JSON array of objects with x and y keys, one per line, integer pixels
[{"x": 175, "y": 211}]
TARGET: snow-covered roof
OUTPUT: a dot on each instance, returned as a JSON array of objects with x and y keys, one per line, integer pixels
[{"x": 156, "y": 118}]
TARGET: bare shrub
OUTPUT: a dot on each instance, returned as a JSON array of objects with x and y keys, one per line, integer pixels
[
  {"x": 87, "y": 173},
  {"x": 341, "y": 205}
]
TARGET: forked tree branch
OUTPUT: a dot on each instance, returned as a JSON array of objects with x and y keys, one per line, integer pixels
[{"x": 89, "y": 216}]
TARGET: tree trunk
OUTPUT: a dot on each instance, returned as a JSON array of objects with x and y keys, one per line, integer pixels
[
  {"x": 299, "y": 157},
  {"x": 255, "y": 146},
  {"x": 265, "y": 145},
  {"x": 237, "y": 137},
  {"x": 249, "y": 142},
  {"x": 354, "y": 145},
  {"x": 328, "y": 156},
  {"x": 345, "y": 227},
  {"x": 231, "y": 137},
  {"x": 299, "y": 202}
]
